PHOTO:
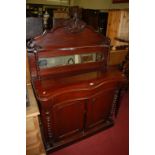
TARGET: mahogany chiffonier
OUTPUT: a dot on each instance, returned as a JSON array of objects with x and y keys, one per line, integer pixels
[{"x": 76, "y": 91}]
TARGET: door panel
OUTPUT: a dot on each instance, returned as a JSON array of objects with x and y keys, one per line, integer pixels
[
  {"x": 68, "y": 118},
  {"x": 99, "y": 107}
]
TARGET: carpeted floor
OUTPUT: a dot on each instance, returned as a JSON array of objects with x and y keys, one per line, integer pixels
[{"x": 113, "y": 141}]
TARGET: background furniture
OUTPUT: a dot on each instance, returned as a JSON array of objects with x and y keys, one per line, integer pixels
[
  {"x": 118, "y": 26},
  {"x": 120, "y": 1},
  {"x": 118, "y": 32},
  {"x": 117, "y": 57},
  {"x": 34, "y": 144},
  {"x": 96, "y": 18},
  {"x": 91, "y": 17},
  {"x": 34, "y": 27}
]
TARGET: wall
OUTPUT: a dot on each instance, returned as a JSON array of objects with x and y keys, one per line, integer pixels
[
  {"x": 49, "y": 2},
  {"x": 89, "y": 4},
  {"x": 100, "y": 4}
]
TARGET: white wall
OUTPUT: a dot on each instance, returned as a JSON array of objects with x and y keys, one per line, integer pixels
[
  {"x": 49, "y": 2},
  {"x": 100, "y": 4},
  {"x": 89, "y": 4}
]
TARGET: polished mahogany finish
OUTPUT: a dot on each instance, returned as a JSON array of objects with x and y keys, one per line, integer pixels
[{"x": 77, "y": 93}]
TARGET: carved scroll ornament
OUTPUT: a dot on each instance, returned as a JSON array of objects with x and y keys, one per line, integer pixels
[{"x": 74, "y": 25}]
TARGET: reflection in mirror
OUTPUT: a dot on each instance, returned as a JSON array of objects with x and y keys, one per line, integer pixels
[{"x": 70, "y": 59}]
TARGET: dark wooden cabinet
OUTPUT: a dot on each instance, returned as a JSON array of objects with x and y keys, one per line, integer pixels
[
  {"x": 91, "y": 17},
  {"x": 120, "y": 1},
  {"x": 76, "y": 91},
  {"x": 96, "y": 19}
]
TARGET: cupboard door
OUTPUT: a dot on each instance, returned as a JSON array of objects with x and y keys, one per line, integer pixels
[
  {"x": 99, "y": 107},
  {"x": 68, "y": 118}
]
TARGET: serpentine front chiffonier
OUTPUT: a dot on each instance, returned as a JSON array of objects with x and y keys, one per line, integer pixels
[{"x": 76, "y": 91}]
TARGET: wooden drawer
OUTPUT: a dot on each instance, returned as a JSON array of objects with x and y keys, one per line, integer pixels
[
  {"x": 32, "y": 138},
  {"x": 32, "y": 124},
  {"x": 117, "y": 57},
  {"x": 34, "y": 145},
  {"x": 36, "y": 149}
]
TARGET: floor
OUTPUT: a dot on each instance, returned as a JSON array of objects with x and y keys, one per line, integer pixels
[{"x": 113, "y": 141}]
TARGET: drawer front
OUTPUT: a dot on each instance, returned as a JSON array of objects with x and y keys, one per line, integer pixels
[
  {"x": 34, "y": 145},
  {"x": 36, "y": 149},
  {"x": 32, "y": 138},
  {"x": 31, "y": 124},
  {"x": 83, "y": 92}
]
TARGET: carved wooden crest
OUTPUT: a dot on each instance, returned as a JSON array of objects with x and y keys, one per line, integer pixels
[{"x": 74, "y": 25}]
